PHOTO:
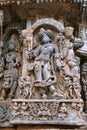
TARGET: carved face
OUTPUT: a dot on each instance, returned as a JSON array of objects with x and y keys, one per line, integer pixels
[
  {"x": 8, "y": 58},
  {"x": 7, "y": 81},
  {"x": 15, "y": 104},
  {"x": 84, "y": 75},
  {"x": 68, "y": 31},
  {"x": 21, "y": 82},
  {"x": 11, "y": 47}
]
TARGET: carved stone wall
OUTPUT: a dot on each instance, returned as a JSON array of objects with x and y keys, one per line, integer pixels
[{"x": 40, "y": 77}]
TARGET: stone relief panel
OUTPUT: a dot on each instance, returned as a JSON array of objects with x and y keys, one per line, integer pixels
[
  {"x": 50, "y": 63},
  {"x": 49, "y": 88},
  {"x": 42, "y": 76},
  {"x": 12, "y": 68},
  {"x": 47, "y": 112}
]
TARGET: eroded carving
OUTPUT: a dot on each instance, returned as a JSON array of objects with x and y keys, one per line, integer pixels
[
  {"x": 9, "y": 85},
  {"x": 44, "y": 79},
  {"x": 50, "y": 59},
  {"x": 52, "y": 77},
  {"x": 25, "y": 88},
  {"x": 11, "y": 72},
  {"x": 54, "y": 112},
  {"x": 45, "y": 56},
  {"x": 5, "y": 114}
]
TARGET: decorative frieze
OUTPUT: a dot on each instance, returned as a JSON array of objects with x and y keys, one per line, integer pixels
[{"x": 58, "y": 112}]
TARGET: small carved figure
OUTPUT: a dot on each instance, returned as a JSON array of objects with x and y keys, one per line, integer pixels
[
  {"x": 9, "y": 85},
  {"x": 11, "y": 74},
  {"x": 11, "y": 57},
  {"x": 66, "y": 85},
  {"x": 54, "y": 108},
  {"x": 63, "y": 112},
  {"x": 21, "y": 91},
  {"x": 79, "y": 108},
  {"x": 69, "y": 55},
  {"x": 74, "y": 91},
  {"x": 63, "y": 108},
  {"x": 72, "y": 88},
  {"x": 24, "y": 113},
  {"x": 14, "y": 39},
  {"x": 25, "y": 90},
  {"x": 15, "y": 112},
  {"x": 44, "y": 56}
]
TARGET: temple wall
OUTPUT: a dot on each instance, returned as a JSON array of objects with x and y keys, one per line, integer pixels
[{"x": 67, "y": 17}]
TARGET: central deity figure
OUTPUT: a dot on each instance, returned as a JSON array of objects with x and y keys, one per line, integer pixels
[{"x": 46, "y": 58}]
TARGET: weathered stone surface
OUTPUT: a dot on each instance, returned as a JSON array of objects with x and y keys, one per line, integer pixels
[
  {"x": 5, "y": 113},
  {"x": 57, "y": 112},
  {"x": 42, "y": 76},
  {"x": 50, "y": 22}
]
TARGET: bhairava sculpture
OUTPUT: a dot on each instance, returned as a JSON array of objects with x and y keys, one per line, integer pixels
[
  {"x": 54, "y": 58},
  {"x": 45, "y": 57}
]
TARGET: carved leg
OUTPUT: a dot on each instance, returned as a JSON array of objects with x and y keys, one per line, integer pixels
[
  {"x": 38, "y": 72},
  {"x": 3, "y": 94},
  {"x": 12, "y": 90},
  {"x": 47, "y": 71},
  {"x": 43, "y": 93},
  {"x": 54, "y": 92}
]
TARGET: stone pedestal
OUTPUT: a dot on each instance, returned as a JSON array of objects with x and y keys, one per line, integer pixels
[{"x": 47, "y": 112}]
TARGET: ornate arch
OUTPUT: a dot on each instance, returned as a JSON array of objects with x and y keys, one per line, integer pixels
[
  {"x": 9, "y": 29},
  {"x": 48, "y": 22}
]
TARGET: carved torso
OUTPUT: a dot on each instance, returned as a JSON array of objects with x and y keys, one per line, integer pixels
[{"x": 45, "y": 52}]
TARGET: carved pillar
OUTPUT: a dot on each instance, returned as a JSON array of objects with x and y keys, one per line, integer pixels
[
  {"x": 1, "y": 46},
  {"x": 82, "y": 53},
  {"x": 1, "y": 30},
  {"x": 83, "y": 26},
  {"x": 84, "y": 83},
  {"x": 28, "y": 23},
  {"x": 27, "y": 46}
]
